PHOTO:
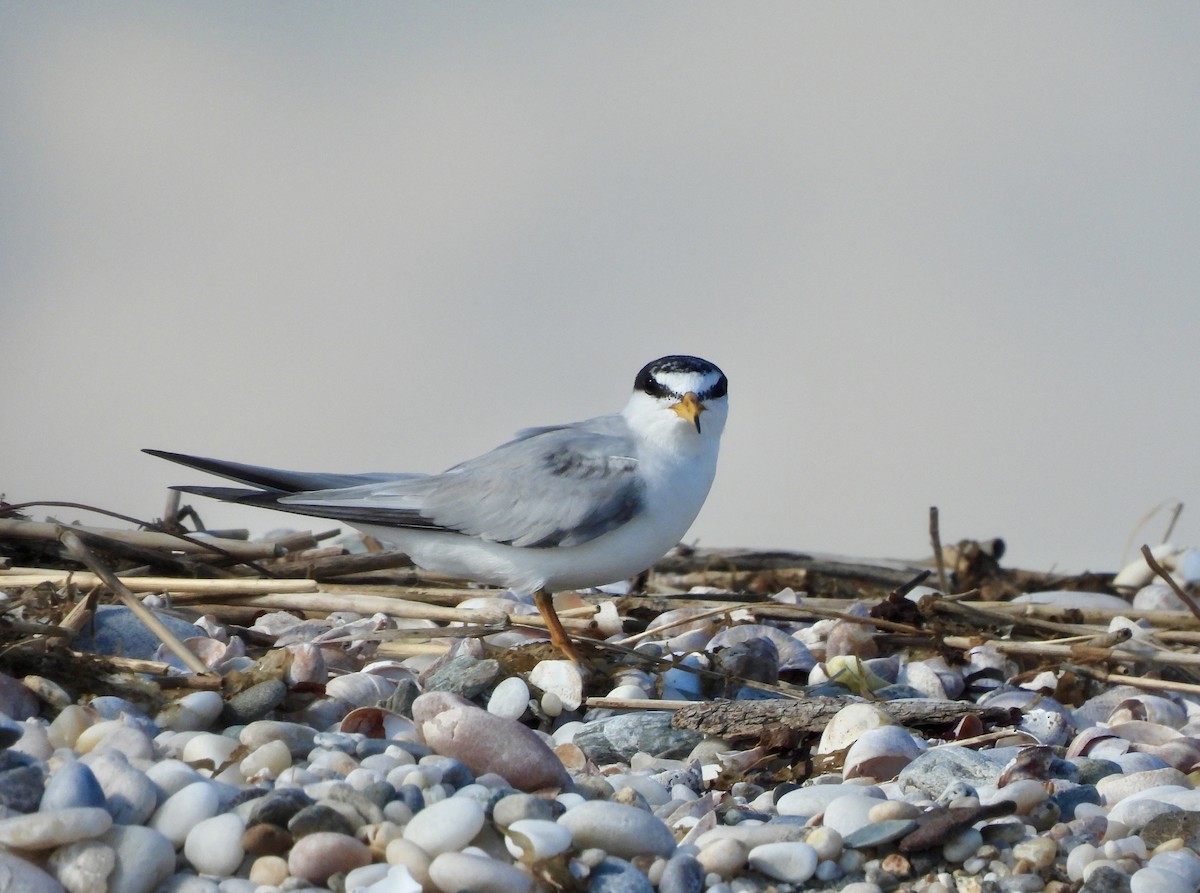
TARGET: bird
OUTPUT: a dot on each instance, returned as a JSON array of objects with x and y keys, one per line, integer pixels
[{"x": 561, "y": 507}]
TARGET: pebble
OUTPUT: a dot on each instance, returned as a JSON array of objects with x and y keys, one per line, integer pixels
[
  {"x": 487, "y": 743},
  {"x": 793, "y": 862},
  {"x": 47, "y": 830},
  {"x": 318, "y": 856},
  {"x": 214, "y": 845},
  {"x": 478, "y": 873},
  {"x": 620, "y": 830},
  {"x": 447, "y": 825}
]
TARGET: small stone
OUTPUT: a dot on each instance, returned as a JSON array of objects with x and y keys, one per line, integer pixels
[
  {"x": 195, "y": 711},
  {"x": 297, "y": 737},
  {"x": 485, "y": 743},
  {"x": 21, "y": 788},
  {"x": 940, "y": 767},
  {"x": 962, "y": 845},
  {"x": 72, "y": 784},
  {"x": 446, "y": 825},
  {"x": 47, "y": 830},
  {"x": 463, "y": 675},
  {"x": 1171, "y": 825},
  {"x": 723, "y": 856},
  {"x": 214, "y": 845},
  {"x": 317, "y": 856},
  {"x": 792, "y": 861},
  {"x": 877, "y": 834},
  {"x": 682, "y": 874},
  {"x": 82, "y": 867},
  {"x": 254, "y": 702},
  {"x": 18, "y": 875},
  {"x": 620, "y": 830},
  {"x": 617, "y": 738},
  {"x": 1040, "y": 852},
  {"x": 510, "y": 698},
  {"x": 613, "y": 875},
  {"x": 265, "y": 839},
  {"x": 144, "y": 858},
  {"x": 516, "y": 807},
  {"x": 278, "y": 807},
  {"x": 815, "y": 799},
  {"x": 320, "y": 818},
  {"x": 181, "y": 811},
  {"x": 480, "y": 874},
  {"x": 269, "y": 871},
  {"x": 848, "y": 814}
]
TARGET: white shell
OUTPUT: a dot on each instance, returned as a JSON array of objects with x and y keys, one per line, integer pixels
[
  {"x": 536, "y": 840},
  {"x": 561, "y": 677},
  {"x": 849, "y": 723}
]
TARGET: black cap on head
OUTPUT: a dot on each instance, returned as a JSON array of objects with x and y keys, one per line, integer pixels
[{"x": 649, "y": 380}]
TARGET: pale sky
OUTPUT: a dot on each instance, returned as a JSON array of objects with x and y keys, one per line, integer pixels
[{"x": 946, "y": 253}]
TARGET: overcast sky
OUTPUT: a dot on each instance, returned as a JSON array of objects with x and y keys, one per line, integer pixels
[{"x": 947, "y": 254}]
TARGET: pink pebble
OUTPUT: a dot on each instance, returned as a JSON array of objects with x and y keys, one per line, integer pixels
[
  {"x": 316, "y": 856},
  {"x": 484, "y": 742}
]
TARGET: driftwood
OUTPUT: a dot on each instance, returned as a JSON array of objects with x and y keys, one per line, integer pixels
[
  {"x": 18, "y": 576},
  {"x": 752, "y": 719},
  {"x": 192, "y": 544}
]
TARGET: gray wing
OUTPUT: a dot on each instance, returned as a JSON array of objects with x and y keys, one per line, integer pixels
[{"x": 550, "y": 487}]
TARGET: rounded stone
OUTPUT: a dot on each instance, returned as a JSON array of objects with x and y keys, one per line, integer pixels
[
  {"x": 47, "y": 830},
  {"x": 724, "y": 856},
  {"x": 455, "y": 727},
  {"x": 317, "y": 856},
  {"x": 254, "y": 702},
  {"x": 214, "y": 845},
  {"x": 72, "y": 784},
  {"x": 614, "y": 875},
  {"x": 480, "y": 874},
  {"x": 17, "y": 874},
  {"x": 181, "y": 811},
  {"x": 446, "y": 825},
  {"x": 792, "y": 862},
  {"x": 682, "y": 874},
  {"x": 83, "y": 866},
  {"x": 510, "y": 698},
  {"x": 620, "y": 830},
  {"x": 144, "y": 859}
]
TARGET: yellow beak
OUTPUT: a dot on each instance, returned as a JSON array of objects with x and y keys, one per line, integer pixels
[{"x": 689, "y": 408}]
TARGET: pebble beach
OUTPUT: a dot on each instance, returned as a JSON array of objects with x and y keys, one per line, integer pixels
[{"x": 319, "y": 757}]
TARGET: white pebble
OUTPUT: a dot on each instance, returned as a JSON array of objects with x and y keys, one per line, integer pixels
[
  {"x": 790, "y": 861},
  {"x": 510, "y": 698},
  {"x": 447, "y": 825},
  {"x": 214, "y": 846},
  {"x": 181, "y": 811}
]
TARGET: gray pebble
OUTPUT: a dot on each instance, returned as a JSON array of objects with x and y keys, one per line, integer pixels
[{"x": 255, "y": 702}]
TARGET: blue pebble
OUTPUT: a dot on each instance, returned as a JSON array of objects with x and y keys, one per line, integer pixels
[
  {"x": 682, "y": 874},
  {"x": 455, "y": 774},
  {"x": 1068, "y": 800},
  {"x": 412, "y": 797},
  {"x": 72, "y": 784},
  {"x": 615, "y": 875}
]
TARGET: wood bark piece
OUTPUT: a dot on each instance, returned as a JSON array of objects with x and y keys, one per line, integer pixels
[
  {"x": 149, "y": 539},
  {"x": 181, "y": 586},
  {"x": 751, "y": 719}
]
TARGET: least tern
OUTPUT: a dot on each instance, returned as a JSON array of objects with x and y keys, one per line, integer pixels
[{"x": 562, "y": 507}]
